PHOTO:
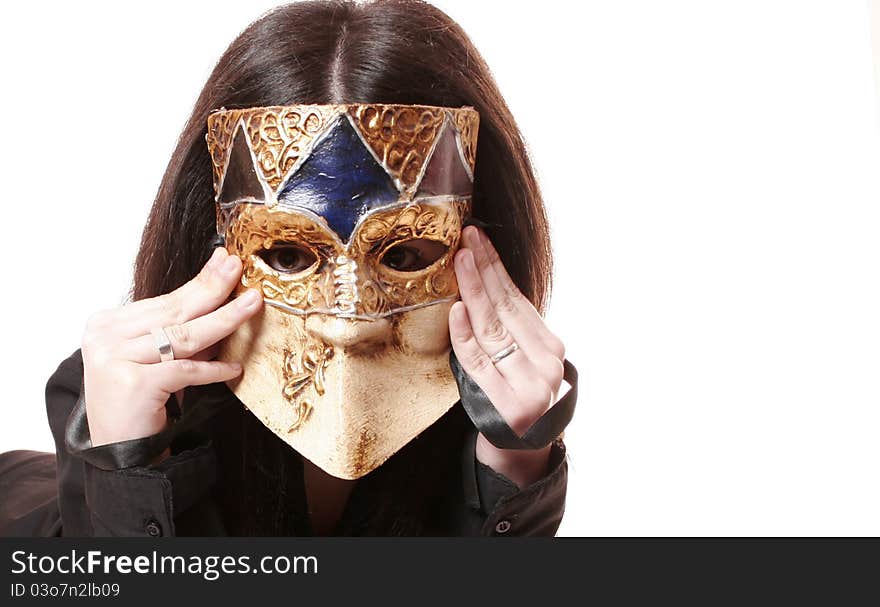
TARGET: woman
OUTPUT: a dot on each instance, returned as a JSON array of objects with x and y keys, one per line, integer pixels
[{"x": 224, "y": 472}]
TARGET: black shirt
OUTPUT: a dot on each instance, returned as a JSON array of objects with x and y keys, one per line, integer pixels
[{"x": 433, "y": 486}]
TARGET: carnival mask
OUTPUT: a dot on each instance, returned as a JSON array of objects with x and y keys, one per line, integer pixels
[{"x": 346, "y": 218}]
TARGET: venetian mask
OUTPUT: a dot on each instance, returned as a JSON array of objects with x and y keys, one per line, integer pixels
[{"x": 346, "y": 218}]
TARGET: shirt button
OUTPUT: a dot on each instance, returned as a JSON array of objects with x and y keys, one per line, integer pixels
[
  {"x": 154, "y": 529},
  {"x": 502, "y": 527}
]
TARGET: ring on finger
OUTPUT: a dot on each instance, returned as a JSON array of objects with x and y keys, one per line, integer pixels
[
  {"x": 166, "y": 352},
  {"x": 504, "y": 353}
]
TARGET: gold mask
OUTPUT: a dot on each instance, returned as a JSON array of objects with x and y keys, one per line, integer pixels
[{"x": 346, "y": 218}]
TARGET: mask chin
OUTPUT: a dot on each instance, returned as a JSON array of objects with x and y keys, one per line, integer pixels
[{"x": 331, "y": 387}]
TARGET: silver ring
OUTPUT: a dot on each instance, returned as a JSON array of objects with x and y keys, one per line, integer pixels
[
  {"x": 504, "y": 353},
  {"x": 164, "y": 344}
]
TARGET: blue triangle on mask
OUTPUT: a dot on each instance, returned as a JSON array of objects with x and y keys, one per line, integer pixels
[{"x": 340, "y": 181}]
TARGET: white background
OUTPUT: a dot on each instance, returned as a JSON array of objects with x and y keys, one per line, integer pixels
[{"x": 711, "y": 173}]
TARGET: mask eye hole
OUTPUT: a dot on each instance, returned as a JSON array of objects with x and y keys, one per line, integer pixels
[
  {"x": 289, "y": 258},
  {"x": 413, "y": 255}
]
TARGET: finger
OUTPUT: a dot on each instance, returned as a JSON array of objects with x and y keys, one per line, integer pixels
[
  {"x": 151, "y": 305},
  {"x": 517, "y": 403},
  {"x": 514, "y": 295},
  {"x": 204, "y": 293},
  {"x": 209, "y": 353},
  {"x": 473, "y": 358},
  {"x": 192, "y": 337},
  {"x": 522, "y": 320},
  {"x": 491, "y": 334},
  {"x": 174, "y": 375},
  {"x": 523, "y": 326}
]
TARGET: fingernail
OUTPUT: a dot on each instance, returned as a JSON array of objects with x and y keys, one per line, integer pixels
[
  {"x": 467, "y": 260},
  {"x": 249, "y": 298},
  {"x": 236, "y": 367},
  {"x": 473, "y": 237}
]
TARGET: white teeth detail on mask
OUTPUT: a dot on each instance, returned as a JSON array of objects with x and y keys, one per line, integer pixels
[{"x": 345, "y": 294}]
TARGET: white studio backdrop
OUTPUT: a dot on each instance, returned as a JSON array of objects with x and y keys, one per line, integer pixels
[{"x": 711, "y": 172}]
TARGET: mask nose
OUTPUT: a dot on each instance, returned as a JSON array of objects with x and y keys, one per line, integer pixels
[{"x": 348, "y": 333}]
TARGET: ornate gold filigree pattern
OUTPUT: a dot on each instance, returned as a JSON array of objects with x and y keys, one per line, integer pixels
[
  {"x": 468, "y": 125},
  {"x": 278, "y": 137},
  {"x": 347, "y": 280},
  {"x": 301, "y": 369},
  {"x": 388, "y": 288},
  {"x": 254, "y": 229},
  {"x": 400, "y": 136}
]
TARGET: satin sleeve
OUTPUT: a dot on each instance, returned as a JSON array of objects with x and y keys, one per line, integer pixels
[
  {"x": 496, "y": 506},
  {"x": 137, "y": 500}
]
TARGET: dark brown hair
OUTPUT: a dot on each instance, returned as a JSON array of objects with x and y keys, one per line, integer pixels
[
  {"x": 337, "y": 51},
  {"x": 388, "y": 51}
]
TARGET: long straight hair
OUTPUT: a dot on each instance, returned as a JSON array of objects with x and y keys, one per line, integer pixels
[{"x": 339, "y": 51}]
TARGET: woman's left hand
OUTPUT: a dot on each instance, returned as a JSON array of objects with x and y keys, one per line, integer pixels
[{"x": 492, "y": 316}]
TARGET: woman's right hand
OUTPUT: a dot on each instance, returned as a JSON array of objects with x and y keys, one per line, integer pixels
[{"x": 126, "y": 385}]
